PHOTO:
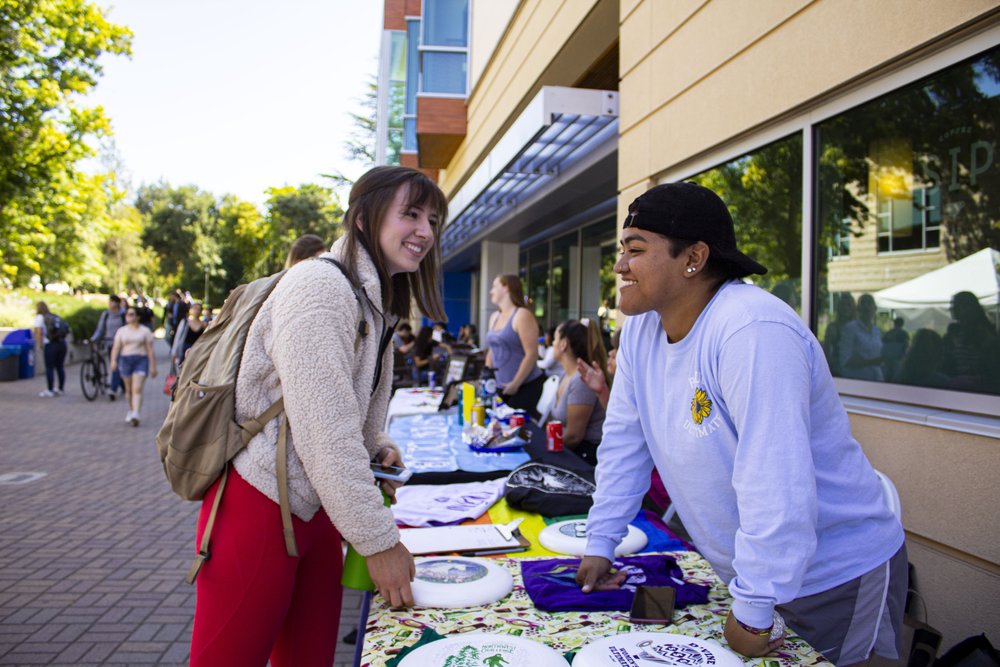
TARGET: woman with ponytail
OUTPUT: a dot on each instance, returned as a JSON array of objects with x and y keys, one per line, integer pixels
[{"x": 577, "y": 406}]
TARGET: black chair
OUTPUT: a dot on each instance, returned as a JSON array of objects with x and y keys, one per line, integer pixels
[{"x": 402, "y": 371}]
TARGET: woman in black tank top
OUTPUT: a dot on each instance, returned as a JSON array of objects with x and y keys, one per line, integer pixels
[{"x": 188, "y": 332}]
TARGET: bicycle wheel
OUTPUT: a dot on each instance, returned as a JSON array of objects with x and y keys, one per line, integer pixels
[
  {"x": 90, "y": 379},
  {"x": 103, "y": 379}
]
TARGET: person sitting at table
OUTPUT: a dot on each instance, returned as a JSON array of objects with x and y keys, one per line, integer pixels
[
  {"x": 576, "y": 406},
  {"x": 594, "y": 376},
  {"x": 403, "y": 339},
  {"x": 722, "y": 386},
  {"x": 547, "y": 360},
  {"x": 468, "y": 335},
  {"x": 307, "y": 346},
  {"x": 512, "y": 340},
  {"x": 423, "y": 353}
]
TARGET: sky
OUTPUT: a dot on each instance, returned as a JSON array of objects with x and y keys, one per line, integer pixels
[{"x": 236, "y": 96}]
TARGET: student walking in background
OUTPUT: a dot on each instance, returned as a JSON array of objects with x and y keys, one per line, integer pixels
[
  {"x": 111, "y": 320},
  {"x": 132, "y": 356},
  {"x": 51, "y": 331},
  {"x": 306, "y": 246},
  {"x": 187, "y": 333},
  {"x": 306, "y": 347}
]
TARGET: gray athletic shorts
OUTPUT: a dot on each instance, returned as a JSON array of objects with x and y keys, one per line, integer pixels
[{"x": 850, "y": 622}]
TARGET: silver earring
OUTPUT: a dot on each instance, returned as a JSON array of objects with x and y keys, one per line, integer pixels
[{"x": 691, "y": 269}]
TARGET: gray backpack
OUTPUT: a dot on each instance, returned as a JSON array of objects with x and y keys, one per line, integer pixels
[{"x": 200, "y": 434}]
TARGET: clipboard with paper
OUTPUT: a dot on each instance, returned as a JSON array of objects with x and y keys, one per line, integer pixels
[{"x": 474, "y": 540}]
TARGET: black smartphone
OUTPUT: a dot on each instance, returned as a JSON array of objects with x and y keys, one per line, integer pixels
[{"x": 653, "y": 604}]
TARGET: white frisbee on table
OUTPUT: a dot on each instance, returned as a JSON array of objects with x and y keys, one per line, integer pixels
[
  {"x": 655, "y": 648},
  {"x": 570, "y": 538},
  {"x": 484, "y": 649},
  {"x": 456, "y": 582}
]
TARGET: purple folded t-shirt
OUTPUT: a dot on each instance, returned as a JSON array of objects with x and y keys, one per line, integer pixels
[{"x": 551, "y": 584}]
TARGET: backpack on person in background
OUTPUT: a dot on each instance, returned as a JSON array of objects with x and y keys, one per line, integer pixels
[
  {"x": 56, "y": 328},
  {"x": 200, "y": 434}
]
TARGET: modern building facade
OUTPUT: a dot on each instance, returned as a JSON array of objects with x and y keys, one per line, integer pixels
[{"x": 857, "y": 146}]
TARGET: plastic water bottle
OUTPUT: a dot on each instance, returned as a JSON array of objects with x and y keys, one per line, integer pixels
[{"x": 488, "y": 387}]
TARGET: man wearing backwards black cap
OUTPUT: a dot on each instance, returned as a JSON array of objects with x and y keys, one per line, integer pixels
[{"x": 724, "y": 389}]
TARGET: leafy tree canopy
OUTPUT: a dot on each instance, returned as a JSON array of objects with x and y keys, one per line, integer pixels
[{"x": 49, "y": 53}]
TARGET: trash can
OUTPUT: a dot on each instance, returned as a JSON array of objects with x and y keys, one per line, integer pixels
[
  {"x": 10, "y": 356},
  {"x": 23, "y": 339}
]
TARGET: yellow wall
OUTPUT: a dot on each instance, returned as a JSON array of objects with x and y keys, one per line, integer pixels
[
  {"x": 696, "y": 74},
  {"x": 548, "y": 42},
  {"x": 489, "y": 21},
  {"x": 948, "y": 489}
]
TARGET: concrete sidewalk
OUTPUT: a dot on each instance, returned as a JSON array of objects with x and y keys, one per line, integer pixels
[{"x": 93, "y": 552}]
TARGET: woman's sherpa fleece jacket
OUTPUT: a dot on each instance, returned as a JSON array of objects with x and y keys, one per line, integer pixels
[{"x": 301, "y": 344}]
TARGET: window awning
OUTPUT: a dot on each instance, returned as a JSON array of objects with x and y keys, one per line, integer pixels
[{"x": 557, "y": 129}]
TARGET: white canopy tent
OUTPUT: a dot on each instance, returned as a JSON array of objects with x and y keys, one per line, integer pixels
[{"x": 977, "y": 273}]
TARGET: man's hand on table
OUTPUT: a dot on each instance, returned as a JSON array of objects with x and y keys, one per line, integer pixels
[
  {"x": 392, "y": 571},
  {"x": 595, "y": 575},
  {"x": 747, "y": 643},
  {"x": 390, "y": 456}
]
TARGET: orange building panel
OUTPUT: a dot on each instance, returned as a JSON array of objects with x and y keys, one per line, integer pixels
[
  {"x": 441, "y": 127},
  {"x": 396, "y": 12}
]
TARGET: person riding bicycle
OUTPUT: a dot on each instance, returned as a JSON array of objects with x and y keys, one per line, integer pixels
[{"x": 111, "y": 321}]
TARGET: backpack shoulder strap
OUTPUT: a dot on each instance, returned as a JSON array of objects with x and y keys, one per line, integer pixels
[{"x": 358, "y": 292}]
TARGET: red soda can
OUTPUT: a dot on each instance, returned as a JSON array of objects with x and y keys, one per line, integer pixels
[
  {"x": 554, "y": 431},
  {"x": 516, "y": 420}
]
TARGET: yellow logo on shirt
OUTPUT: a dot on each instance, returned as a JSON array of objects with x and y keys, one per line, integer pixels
[{"x": 701, "y": 405}]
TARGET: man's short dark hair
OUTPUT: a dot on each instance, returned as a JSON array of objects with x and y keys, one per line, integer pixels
[{"x": 115, "y": 299}]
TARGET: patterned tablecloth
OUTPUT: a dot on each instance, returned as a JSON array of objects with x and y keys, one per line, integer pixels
[{"x": 389, "y": 631}]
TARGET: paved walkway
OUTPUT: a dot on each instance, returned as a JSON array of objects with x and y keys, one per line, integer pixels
[{"x": 93, "y": 554}]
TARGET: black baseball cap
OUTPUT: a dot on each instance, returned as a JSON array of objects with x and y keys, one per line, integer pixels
[{"x": 691, "y": 212}]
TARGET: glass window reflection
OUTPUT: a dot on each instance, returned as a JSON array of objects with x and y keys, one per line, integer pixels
[
  {"x": 446, "y": 23},
  {"x": 911, "y": 181},
  {"x": 763, "y": 191}
]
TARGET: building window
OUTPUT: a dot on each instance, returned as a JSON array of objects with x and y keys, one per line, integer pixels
[
  {"x": 446, "y": 23},
  {"x": 598, "y": 283},
  {"x": 444, "y": 57},
  {"x": 537, "y": 287},
  {"x": 763, "y": 191},
  {"x": 412, "y": 83},
  {"x": 911, "y": 179},
  {"x": 443, "y": 72}
]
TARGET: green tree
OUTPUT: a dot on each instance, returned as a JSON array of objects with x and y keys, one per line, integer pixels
[
  {"x": 244, "y": 242},
  {"x": 292, "y": 212},
  {"x": 184, "y": 228},
  {"x": 360, "y": 145},
  {"x": 48, "y": 61}
]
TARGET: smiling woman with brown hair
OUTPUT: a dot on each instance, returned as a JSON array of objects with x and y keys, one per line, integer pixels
[{"x": 330, "y": 360}]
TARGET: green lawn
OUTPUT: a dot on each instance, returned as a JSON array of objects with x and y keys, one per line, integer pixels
[{"x": 17, "y": 309}]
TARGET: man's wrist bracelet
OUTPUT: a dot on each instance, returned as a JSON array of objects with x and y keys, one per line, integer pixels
[{"x": 759, "y": 632}]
